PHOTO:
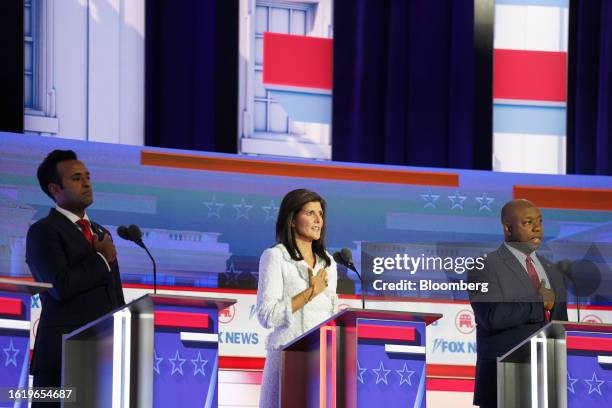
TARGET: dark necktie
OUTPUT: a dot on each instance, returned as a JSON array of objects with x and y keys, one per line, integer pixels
[
  {"x": 531, "y": 271},
  {"x": 84, "y": 225},
  {"x": 535, "y": 280}
]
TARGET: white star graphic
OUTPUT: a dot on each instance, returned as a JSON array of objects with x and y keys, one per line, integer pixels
[
  {"x": 361, "y": 372},
  {"x": 381, "y": 373},
  {"x": 177, "y": 363},
  {"x": 271, "y": 211},
  {"x": 11, "y": 359},
  {"x": 485, "y": 202},
  {"x": 594, "y": 388},
  {"x": 405, "y": 375},
  {"x": 242, "y": 209},
  {"x": 430, "y": 199},
  {"x": 214, "y": 207},
  {"x": 198, "y": 365},
  {"x": 157, "y": 361},
  {"x": 231, "y": 275},
  {"x": 570, "y": 382},
  {"x": 457, "y": 200}
]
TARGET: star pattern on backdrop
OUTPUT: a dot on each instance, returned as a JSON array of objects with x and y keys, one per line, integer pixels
[
  {"x": 360, "y": 372},
  {"x": 231, "y": 275},
  {"x": 177, "y": 363},
  {"x": 157, "y": 361},
  {"x": 485, "y": 202},
  {"x": 11, "y": 355},
  {"x": 457, "y": 200},
  {"x": 214, "y": 207},
  {"x": 405, "y": 375},
  {"x": 594, "y": 384},
  {"x": 199, "y": 364},
  {"x": 430, "y": 199},
  {"x": 242, "y": 209},
  {"x": 381, "y": 373},
  {"x": 271, "y": 211},
  {"x": 570, "y": 382}
]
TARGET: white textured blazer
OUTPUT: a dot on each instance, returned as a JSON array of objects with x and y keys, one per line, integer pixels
[{"x": 280, "y": 279}]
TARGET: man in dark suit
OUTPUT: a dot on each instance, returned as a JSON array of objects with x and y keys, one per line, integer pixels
[
  {"x": 73, "y": 254},
  {"x": 525, "y": 291}
]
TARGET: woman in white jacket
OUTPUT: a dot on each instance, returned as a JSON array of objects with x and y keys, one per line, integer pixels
[{"x": 297, "y": 282}]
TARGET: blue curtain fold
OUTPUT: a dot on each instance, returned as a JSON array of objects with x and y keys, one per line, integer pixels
[
  {"x": 589, "y": 104},
  {"x": 191, "y": 51},
  {"x": 405, "y": 86}
]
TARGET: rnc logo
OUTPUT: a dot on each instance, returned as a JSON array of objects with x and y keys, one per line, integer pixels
[
  {"x": 227, "y": 315},
  {"x": 591, "y": 319},
  {"x": 464, "y": 321}
]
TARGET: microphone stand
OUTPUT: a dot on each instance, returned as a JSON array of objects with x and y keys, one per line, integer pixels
[
  {"x": 571, "y": 279},
  {"x": 351, "y": 266},
  {"x": 134, "y": 234},
  {"x": 154, "y": 267}
]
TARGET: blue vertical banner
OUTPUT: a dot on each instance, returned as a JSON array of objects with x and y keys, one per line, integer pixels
[
  {"x": 589, "y": 369},
  {"x": 185, "y": 360},
  {"x": 14, "y": 341},
  {"x": 390, "y": 363}
]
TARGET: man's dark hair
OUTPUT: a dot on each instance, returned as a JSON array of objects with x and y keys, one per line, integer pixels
[
  {"x": 292, "y": 204},
  {"x": 47, "y": 171}
]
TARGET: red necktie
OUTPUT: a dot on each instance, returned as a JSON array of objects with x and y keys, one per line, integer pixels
[
  {"x": 84, "y": 224},
  {"x": 535, "y": 280},
  {"x": 533, "y": 275}
]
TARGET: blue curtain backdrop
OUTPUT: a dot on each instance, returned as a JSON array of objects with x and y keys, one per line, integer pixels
[
  {"x": 589, "y": 104},
  {"x": 191, "y": 52},
  {"x": 405, "y": 85}
]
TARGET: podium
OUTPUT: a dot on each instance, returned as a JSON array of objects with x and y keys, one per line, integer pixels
[
  {"x": 15, "y": 330},
  {"x": 157, "y": 351},
  {"x": 564, "y": 364},
  {"x": 358, "y": 358}
]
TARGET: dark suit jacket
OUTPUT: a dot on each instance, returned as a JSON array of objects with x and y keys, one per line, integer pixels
[
  {"x": 83, "y": 288},
  {"x": 507, "y": 314}
]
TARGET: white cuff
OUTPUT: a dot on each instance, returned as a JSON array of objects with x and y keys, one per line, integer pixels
[{"x": 105, "y": 261}]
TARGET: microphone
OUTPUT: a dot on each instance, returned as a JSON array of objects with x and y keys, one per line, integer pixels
[
  {"x": 133, "y": 233},
  {"x": 345, "y": 258}
]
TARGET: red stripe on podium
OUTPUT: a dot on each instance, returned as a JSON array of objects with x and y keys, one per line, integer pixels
[
  {"x": 10, "y": 306},
  {"x": 375, "y": 332},
  {"x": 443, "y": 384},
  {"x": 182, "y": 320},
  {"x": 241, "y": 363},
  {"x": 589, "y": 343}
]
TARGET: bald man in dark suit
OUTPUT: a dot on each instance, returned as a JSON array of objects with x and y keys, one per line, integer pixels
[{"x": 525, "y": 291}]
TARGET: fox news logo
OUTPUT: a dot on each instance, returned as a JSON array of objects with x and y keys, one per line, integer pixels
[
  {"x": 238, "y": 338},
  {"x": 445, "y": 346}
]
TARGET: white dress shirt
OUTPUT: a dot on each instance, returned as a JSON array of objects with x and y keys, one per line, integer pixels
[
  {"x": 73, "y": 219},
  {"x": 522, "y": 258}
]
